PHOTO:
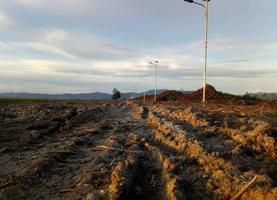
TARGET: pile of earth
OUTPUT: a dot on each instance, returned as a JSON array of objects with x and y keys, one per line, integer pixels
[
  {"x": 170, "y": 95},
  {"x": 212, "y": 95}
]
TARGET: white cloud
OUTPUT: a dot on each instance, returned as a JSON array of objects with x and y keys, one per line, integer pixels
[
  {"x": 98, "y": 53},
  {"x": 72, "y": 7},
  {"x": 5, "y": 20},
  {"x": 57, "y": 57},
  {"x": 46, "y": 4},
  {"x": 84, "y": 45}
]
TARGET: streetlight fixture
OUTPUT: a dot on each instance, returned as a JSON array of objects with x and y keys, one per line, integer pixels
[
  {"x": 156, "y": 77},
  {"x": 206, "y": 6}
]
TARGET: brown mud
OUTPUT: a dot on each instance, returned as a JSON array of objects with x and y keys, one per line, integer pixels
[{"x": 131, "y": 150}]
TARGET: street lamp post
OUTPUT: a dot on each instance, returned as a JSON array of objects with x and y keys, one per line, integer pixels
[
  {"x": 156, "y": 77},
  {"x": 206, "y": 6},
  {"x": 144, "y": 88}
]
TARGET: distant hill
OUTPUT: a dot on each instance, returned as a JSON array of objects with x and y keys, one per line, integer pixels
[
  {"x": 85, "y": 96},
  {"x": 134, "y": 95},
  {"x": 68, "y": 96},
  {"x": 264, "y": 96},
  {"x": 105, "y": 96}
]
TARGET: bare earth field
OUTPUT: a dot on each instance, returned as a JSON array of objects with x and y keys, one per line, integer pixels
[{"x": 130, "y": 150}]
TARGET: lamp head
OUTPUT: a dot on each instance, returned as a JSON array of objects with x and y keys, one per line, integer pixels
[
  {"x": 153, "y": 62},
  {"x": 192, "y": 1}
]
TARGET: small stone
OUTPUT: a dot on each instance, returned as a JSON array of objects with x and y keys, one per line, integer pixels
[
  {"x": 92, "y": 196},
  {"x": 205, "y": 176},
  {"x": 2, "y": 150},
  {"x": 201, "y": 162}
]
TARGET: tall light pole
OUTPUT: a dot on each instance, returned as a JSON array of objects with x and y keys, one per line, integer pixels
[
  {"x": 206, "y": 6},
  {"x": 144, "y": 88},
  {"x": 156, "y": 77}
]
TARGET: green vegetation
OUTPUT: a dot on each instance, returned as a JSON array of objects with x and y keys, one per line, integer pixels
[{"x": 116, "y": 94}]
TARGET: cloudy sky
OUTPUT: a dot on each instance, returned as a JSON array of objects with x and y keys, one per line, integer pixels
[{"x": 94, "y": 45}]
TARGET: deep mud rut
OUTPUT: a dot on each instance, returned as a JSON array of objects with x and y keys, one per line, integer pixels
[{"x": 132, "y": 151}]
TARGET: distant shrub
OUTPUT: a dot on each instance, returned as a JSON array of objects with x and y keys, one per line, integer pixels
[
  {"x": 246, "y": 97},
  {"x": 249, "y": 97},
  {"x": 116, "y": 94}
]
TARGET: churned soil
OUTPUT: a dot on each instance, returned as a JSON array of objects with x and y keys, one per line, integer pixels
[{"x": 130, "y": 150}]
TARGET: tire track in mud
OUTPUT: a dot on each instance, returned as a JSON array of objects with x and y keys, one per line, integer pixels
[
  {"x": 173, "y": 169},
  {"x": 138, "y": 176},
  {"x": 105, "y": 160},
  {"x": 249, "y": 132},
  {"x": 242, "y": 148},
  {"x": 233, "y": 126},
  {"x": 225, "y": 177},
  {"x": 60, "y": 167},
  {"x": 131, "y": 172},
  {"x": 56, "y": 159},
  {"x": 183, "y": 176},
  {"x": 41, "y": 144}
]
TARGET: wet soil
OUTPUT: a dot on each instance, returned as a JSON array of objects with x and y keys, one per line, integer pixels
[{"x": 132, "y": 150}]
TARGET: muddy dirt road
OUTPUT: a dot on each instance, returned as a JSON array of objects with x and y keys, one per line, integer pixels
[{"x": 130, "y": 150}]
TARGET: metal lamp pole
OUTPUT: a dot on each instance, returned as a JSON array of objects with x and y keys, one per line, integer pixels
[
  {"x": 206, "y": 6},
  {"x": 144, "y": 95},
  {"x": 156, "y": 78},
  {"x": 144, "y": 88}
]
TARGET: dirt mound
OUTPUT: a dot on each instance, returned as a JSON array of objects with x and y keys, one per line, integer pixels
[
  {"x": 212, "y": 95},
  {"x": 170, "y": 95}
]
